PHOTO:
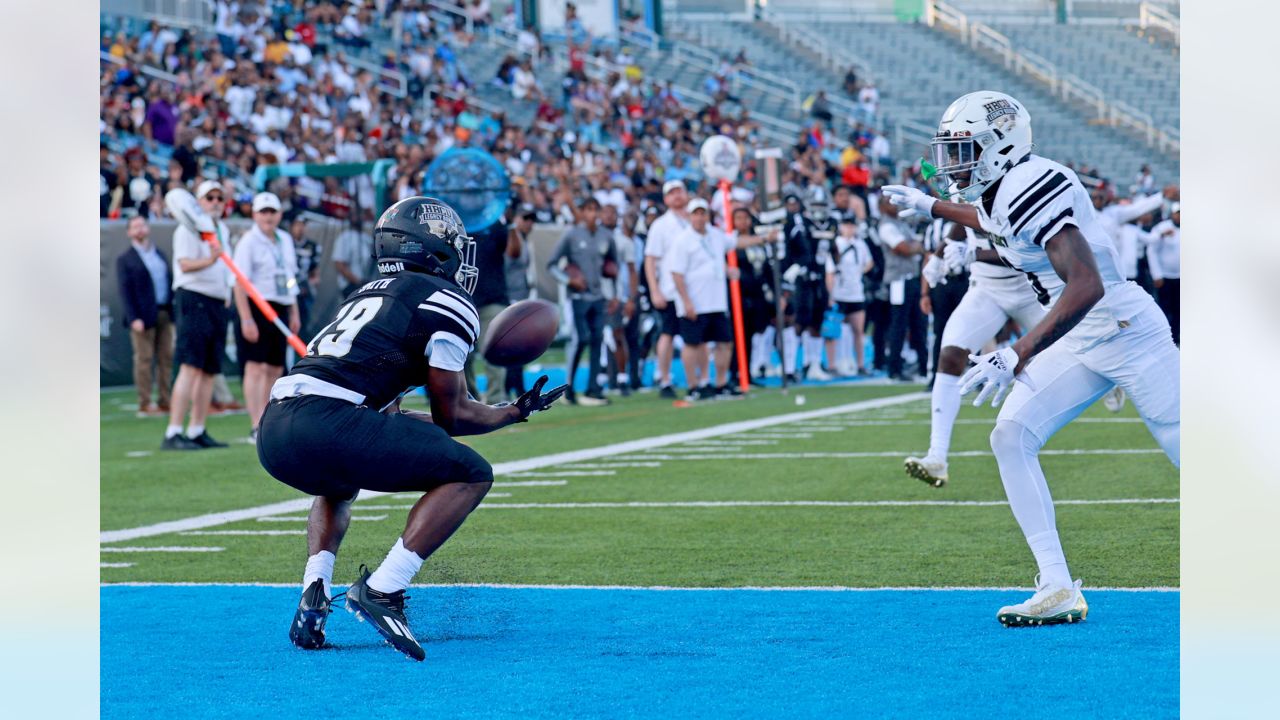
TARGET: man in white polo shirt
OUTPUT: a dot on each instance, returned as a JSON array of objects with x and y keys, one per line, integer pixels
[
  {"x": 696, "y": 260},
  {"x": 200, "y": 319},
  {"x": 265, "y": 254},
  {"x": 662, "y": 288}
]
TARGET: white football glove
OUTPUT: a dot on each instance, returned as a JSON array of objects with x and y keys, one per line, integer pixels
[
  {"x": 959, "y": 256},
  {"x": 910, "y": 200},
  {"x": 935, "y": 271},
  {"x": 993, "y": 374},
  {"x": 792, "y": 273}
]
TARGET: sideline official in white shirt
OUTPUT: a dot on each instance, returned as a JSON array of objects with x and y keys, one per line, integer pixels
[{"x": 265, "y": 254}]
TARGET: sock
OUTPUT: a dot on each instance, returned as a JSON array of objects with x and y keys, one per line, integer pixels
[
  {"x": 1053, "y": 564},
  {"x": 844, "y": 346},
  {"x": 946, "y": 405},
  {"x": 623, "y": 379},
  {"x": 172, "y": 431},
  {"x": 319, "y": 567},
  {"x": 397, "y": 570},
  {"x": 194, "y": 431},
  {"x": 812, "y": 351},
  {"x": 789, "y": 347}
]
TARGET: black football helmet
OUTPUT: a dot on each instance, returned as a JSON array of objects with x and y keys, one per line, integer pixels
[{"x": 423, "y": 234}]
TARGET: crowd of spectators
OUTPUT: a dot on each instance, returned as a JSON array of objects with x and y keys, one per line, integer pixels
[{"x": 315, "y": 82}]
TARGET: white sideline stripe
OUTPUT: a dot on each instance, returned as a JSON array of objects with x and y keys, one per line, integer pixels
[
  {"x": 875, "y": 454},
  {"x": 276, "y": 518},
  {"x": 592, "y": 466},
  {"x": 137, "y": 453},
  {"x": 244, "y": 532},
  {"x": 966, "y": 421},
  {"x": 114, "y": 565},
  {"x": 564, "y": 473},
  {"x": 728, "y": 443},
  {"x": 669, "y": 588},
  {"x": 534, "y": 463},
  {"x": 531, "y": 483},
  {"x": 167, "y": 549},
  {"x": 780, "y": 436},
  {"x": 813, "y": 503}
]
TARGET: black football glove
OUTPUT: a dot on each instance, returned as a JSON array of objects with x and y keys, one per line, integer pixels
[{"x": 535, "y": 401}]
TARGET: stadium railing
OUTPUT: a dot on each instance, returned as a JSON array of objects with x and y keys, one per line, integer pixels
[
  {"x": 1153, "y": 16},
  {"x": 982, "y": 37}
]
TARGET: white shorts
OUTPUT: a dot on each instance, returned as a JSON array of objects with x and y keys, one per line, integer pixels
[
  {"x": 984, "y": 309},
  {"x": 1141, "y": 358}
]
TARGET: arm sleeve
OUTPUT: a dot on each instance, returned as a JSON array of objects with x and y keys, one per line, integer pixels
[
  {"x": 447, "y": 351},
  {"x": 1136, "y": 209}
]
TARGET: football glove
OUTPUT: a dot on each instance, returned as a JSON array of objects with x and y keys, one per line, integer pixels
[
  {"x": 909, "y": 200},
  {"x": 536, "y": 401},
  {"x": 792, "y": 273},
  {"x": 935, "y": 271},
  {"x": 959, "y": 256},
  {"x": 992, "y": 373}
]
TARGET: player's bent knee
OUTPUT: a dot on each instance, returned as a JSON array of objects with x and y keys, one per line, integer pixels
[{"x": 1010, "y": 438}]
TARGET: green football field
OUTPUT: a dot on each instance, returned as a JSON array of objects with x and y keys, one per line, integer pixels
[{"x": 808, "y": 494}]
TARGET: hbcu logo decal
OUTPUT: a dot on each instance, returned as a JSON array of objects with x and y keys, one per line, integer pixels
[{"x": 998, "y": 109}]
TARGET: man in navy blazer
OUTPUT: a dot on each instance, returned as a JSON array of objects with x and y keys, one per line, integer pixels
[{"x": 146, "y": 282}]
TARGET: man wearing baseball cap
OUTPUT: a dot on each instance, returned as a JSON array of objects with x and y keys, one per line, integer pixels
[
  {"x": 200, "y": 285},
  {"x": 266, "y": 256},
  {"x": 662, "y": 289},
  {"x": 698, "y": 267}
]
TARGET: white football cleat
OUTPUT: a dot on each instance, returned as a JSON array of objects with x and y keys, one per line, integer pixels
[
  {"x": 930, "y": 469},
  {"x": 847, "y": 369},
  {"x": 1114, "y": 399},
  {"x": 1051, "y": 605},
  {"x": 817, "y": 373}
]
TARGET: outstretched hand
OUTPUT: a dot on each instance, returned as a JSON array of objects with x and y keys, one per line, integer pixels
[{"x": 536, "y": 401}]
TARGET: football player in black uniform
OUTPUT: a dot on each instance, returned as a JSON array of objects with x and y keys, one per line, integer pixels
[
  {"x": 334, "y": 424},
  {"x": 809, "y": 242}
]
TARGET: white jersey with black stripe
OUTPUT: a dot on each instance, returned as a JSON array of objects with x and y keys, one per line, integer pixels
[{"x": 1033, "y": 203}]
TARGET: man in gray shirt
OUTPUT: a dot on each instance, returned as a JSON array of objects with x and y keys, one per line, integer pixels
[
  {"x": 902, "y": 253},
  {"x": 579, "y": 261}
]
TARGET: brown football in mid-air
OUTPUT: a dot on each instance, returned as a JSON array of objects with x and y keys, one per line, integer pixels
[{"x": 521, "y": 333}]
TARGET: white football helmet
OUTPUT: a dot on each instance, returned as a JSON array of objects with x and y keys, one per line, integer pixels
[{"x": 981, "y": 136}]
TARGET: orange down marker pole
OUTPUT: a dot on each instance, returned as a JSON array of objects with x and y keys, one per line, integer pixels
[
  {"x": 735, "y": 294},
  {"x": 295, "y": 342}
]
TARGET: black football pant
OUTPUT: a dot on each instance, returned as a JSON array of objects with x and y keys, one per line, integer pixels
[
  {"x": 903, "y": 319},
  {"x": 588, "y": 322},
  {"x": 945, "y": 298},
  {"x": 877, "y": 324}
]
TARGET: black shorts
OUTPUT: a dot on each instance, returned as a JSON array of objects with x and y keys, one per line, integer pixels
[
  {"x": 331, "y": 448},
  {"x": 811, "y": 304},
  {"x": 201, "y": 330},
  {"x": 848, "y": 308},
  {"x": 270, "y": 346},
  {"x": 670, "y": 320},
  {"x": 709, "y": 327}
]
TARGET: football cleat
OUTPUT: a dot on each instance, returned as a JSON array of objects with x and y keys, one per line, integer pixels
[
  {"x": 307, "y": 630},
  {"x": 817, "y": 374},
  {"x": 1051, "y": 605},
  {"x": 178, "y": 442},
  {"x": 929, "y": 469},
  {"x": 385, "y": 612},
  {"x": 1114, "y": 399},
  {"x": 205, "y": 440},
  {"x": 667, "y": 392}
]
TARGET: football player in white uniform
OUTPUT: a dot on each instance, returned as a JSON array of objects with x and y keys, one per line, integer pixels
[
  {"x": 1101, "y": 330},
  {"x": 996, "y": 293}
]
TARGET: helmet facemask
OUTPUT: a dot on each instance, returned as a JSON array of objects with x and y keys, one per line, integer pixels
[
  {"x": 958, "y": 166},
  {"x": 468, "y": 273}
]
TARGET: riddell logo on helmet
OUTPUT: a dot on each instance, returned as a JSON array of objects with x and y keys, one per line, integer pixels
[{"x": 390, "y": 267}]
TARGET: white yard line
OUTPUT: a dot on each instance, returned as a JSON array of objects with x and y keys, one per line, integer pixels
[
  {"x": 114, "y": 565},
  {"x": 564, "y": 473},
  {"x": 244, "y": 532},
  {"x": 670, "y": 454},
  {"x": 593, "y": 466},
  {"x": 167, "y": 549},
  {"x": 525, "y": 483},
  {"x": 534, "y": 463},
  {"x": 281, "y": 518},
  {"x": 669, "y": 588},
  {"x": 809, "y": 503}
]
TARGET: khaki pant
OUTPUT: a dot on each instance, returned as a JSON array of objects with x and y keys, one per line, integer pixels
[
  {"x": 155, "y": 344},
  {"x": 495, "y": 377}
]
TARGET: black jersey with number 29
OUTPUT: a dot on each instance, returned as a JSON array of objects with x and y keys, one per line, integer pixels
[{"x": 377, "y": 344}]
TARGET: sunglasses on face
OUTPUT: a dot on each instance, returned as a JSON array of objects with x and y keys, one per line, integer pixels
[{"x": 213, "y": 198}]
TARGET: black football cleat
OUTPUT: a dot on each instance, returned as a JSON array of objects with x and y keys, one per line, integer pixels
[
  {"x": 307, "y": 630},
  {"x": 205, "y": 440},
  {"x": 178, "y": 442},
  {"x": 385, "y": 611}
]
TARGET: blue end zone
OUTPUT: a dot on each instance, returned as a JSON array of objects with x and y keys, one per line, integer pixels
[{"x": 203, "y": 652}]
